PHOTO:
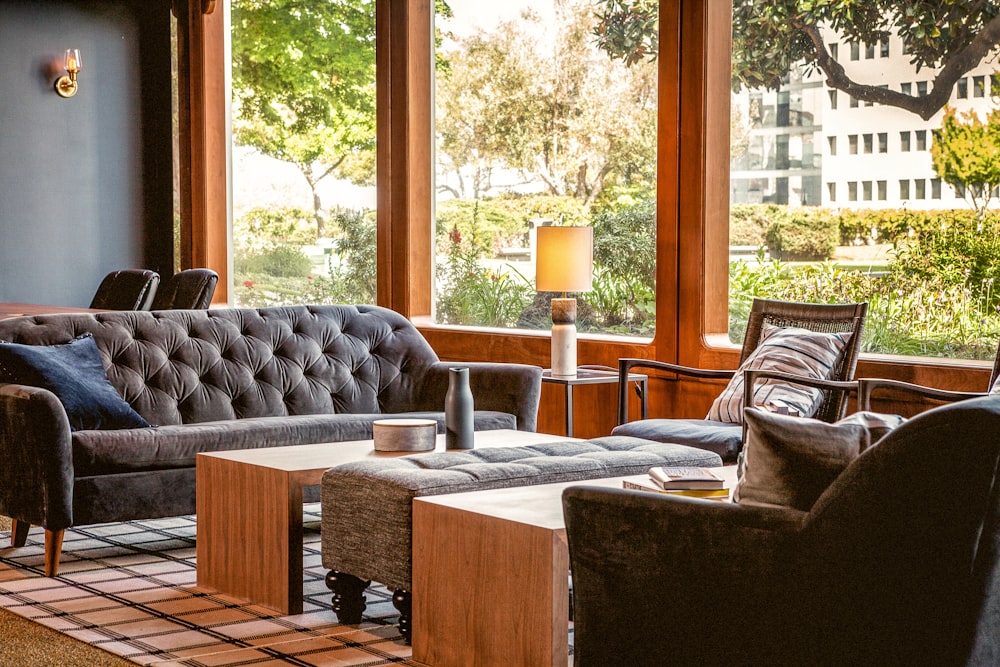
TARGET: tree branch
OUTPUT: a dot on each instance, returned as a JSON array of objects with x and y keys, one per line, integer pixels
[{"x": 924, "y": 106}]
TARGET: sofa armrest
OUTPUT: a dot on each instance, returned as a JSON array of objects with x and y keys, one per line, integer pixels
[
  {"x": 36, "y": 478},
  {"x": 679, "y": 573},
  {"x": 511, "y": 388}
]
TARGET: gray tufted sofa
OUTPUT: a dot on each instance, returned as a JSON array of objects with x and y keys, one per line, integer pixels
[
  {"x": 220, "y": 380},
  {"x": 368, "y": 505}
]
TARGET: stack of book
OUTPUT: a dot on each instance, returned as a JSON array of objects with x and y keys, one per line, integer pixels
[{"x": 690, "y": 482}]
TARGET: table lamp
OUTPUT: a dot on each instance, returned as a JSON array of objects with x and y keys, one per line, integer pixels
[{"x": 564, "y": 258}]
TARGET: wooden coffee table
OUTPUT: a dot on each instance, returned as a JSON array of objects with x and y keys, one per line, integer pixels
[
  {"x": 491, "y": 576},
  {"x": 249, "y": 505}
]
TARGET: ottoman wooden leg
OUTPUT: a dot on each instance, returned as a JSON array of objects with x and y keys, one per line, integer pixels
[
  {"x": 402, "y": 600},
  {"x": 348, "y": 596}
]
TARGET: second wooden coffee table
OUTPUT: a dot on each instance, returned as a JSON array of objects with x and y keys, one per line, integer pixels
[{"x": 249, "y": 505}]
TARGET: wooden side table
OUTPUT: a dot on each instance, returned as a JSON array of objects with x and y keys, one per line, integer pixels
[{"x": 585, "y": 375}]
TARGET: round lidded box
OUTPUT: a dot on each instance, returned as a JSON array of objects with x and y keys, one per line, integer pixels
[{"x": 404, "y": 435}]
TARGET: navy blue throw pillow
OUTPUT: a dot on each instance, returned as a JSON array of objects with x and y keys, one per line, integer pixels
[{"x": 75, "y": 374}]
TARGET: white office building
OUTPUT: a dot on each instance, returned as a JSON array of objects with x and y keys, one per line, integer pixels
[{"x": 810, "y": 144}]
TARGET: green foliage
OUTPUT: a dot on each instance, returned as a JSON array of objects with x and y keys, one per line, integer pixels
[
  {"x": 304, "y": 84},
  {"x": 966, "y": 155},
  {"x": 266, "y": 228},
  {"x": 616, "y": 306},
  {"x": 562, "y": 114},
  {"x": 748, "y": 223},
  {"x": 769, "y": 38},
  {"x": 494, "y": 223},
  {"x": 284, "y": 261},
  {"x": 937, "y": 299},
  {"x": 474, "y": 295},
  {"x": 356, "y": 272},
  {"x": 804, "y": 235},
  {"x": 625, "y": 246}
]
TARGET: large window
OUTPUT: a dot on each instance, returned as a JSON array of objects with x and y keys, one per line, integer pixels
[
  {"x": 536, "y": 125},
  {"x": 925, "y": 258},
  {"x": 303, "y": 116}
]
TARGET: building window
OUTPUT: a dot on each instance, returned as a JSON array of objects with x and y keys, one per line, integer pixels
[
  {"x": 866, "y": 190},
  {"x": 904, "y": 188},
  {"x": 852, "y": 191},
  {"x": 833, "y": 48},
  {"x": 854, "y": 102},
  {"x": 922, "y": 88},
  {"x": 883, "y": 142},
  {"x": 884, "y": 47},
  {"x": 831, "y": 189},
  {"x": 867, "y": 138},
  {"x": 963, "y": 88},
  {"x": 869, "y": 51},
  {"x": 904, "y": 141},
  {"x": 905, "y": 88},
  {"x": 920, "y": 188},
  {"x": 832, "y": 141},
  {"x": 994, "y": 85},
  {"x": 855, "y": 51},
  {"x": 959, "y": 190},
  {"x": 978, "y": 86},
  {"x": 935, "y": 188},
  {"x": 921, "y": 139},
  {"x": 852, "y": 144},
  {"x": 882, "y": 190},
  {"x": 833, "y": 98}
]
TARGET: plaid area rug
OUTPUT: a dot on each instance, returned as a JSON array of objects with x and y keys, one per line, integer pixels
[{"x": 130, "y": 588}]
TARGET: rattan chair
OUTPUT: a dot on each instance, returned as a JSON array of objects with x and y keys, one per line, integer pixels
[
  {"x": 191, "y": 289},
  {"x": 129, "y": 289},
  {"x": 726, "y": 438},
  {"x": 868, "y": 386}
]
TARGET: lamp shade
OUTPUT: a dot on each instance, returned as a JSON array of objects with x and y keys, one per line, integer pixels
[{"x": 564, "y": 259}]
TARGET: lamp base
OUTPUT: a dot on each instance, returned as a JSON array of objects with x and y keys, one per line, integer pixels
[{"x": 563, "y": 337}]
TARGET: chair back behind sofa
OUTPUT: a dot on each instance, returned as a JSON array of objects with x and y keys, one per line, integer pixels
[{"x": 191, "y": 366}]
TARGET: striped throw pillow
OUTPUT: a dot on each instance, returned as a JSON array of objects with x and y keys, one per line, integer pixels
[{"x": 789, "y": 350}]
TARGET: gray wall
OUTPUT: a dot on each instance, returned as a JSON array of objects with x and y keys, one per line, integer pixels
[{"x": 85, "y": 182}]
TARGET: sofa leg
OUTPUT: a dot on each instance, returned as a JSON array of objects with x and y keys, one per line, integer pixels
[
  {"x": 348, "y": 596},
  {"x": 53, "y": 549},
  {"x": 18, "y": 532},
  {"x": 402, "y": 600}
]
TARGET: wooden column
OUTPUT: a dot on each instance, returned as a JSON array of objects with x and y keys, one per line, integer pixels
[
  {"x": 204, "y": 140},
  {"x": 404, "y": 155}
]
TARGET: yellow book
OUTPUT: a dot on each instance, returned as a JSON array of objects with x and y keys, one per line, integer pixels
[{"x": 641, "y": 484}]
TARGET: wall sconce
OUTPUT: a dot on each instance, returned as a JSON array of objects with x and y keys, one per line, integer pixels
[{"x": 66, "y": 85}]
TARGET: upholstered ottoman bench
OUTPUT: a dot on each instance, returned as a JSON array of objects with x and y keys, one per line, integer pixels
[{"x": 367, "y": 505}]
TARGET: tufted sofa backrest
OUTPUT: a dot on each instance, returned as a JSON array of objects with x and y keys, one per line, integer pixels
[{"x": 183, "y": 366}]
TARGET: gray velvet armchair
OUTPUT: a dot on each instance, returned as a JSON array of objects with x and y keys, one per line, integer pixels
[{"x": 897, "y": 563}]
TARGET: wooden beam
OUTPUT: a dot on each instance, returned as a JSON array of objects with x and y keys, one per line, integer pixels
[
  {"x": 204, "y": 141},
  {"x": 405, "y": 167}
]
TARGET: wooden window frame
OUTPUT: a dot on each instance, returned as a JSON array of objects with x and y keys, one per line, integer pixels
[{"x": 692, "y": 204}]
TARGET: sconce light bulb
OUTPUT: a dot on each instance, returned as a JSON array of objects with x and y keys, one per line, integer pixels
[{"x": 66, "y": 85}]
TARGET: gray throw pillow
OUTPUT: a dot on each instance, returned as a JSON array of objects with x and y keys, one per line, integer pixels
[
  {"x": 790, "y": 461},
  {"x": 790, "y": 350}
]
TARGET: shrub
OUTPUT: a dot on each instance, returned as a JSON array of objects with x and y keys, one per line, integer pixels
[
  {"x": 805, "y": 235},
  {"x": 283, "y": 261},
  {"x": 748, "y": 223}
]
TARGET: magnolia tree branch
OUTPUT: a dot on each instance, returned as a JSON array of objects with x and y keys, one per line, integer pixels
[{"x": 924, "y": 106}]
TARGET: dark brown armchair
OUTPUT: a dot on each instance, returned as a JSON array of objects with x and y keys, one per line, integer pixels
[
  {"x": 896, "y": 564},
  {"x": 128, "y": 289},
  {"x": 191, "y": 289},
  {"x": 725, "y": 438}
]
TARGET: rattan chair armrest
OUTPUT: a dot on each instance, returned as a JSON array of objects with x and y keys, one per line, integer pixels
[{"x": 867, "y": 386}]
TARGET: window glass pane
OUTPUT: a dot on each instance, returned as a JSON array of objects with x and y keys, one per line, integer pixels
[
  {"x": 538, "y": 125},
  {"x": 303, "y": 147},
  {"x": 901, "y": 226}
]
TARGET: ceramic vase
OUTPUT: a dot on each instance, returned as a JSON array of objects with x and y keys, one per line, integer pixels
[{"x": 458, "y": 410}]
